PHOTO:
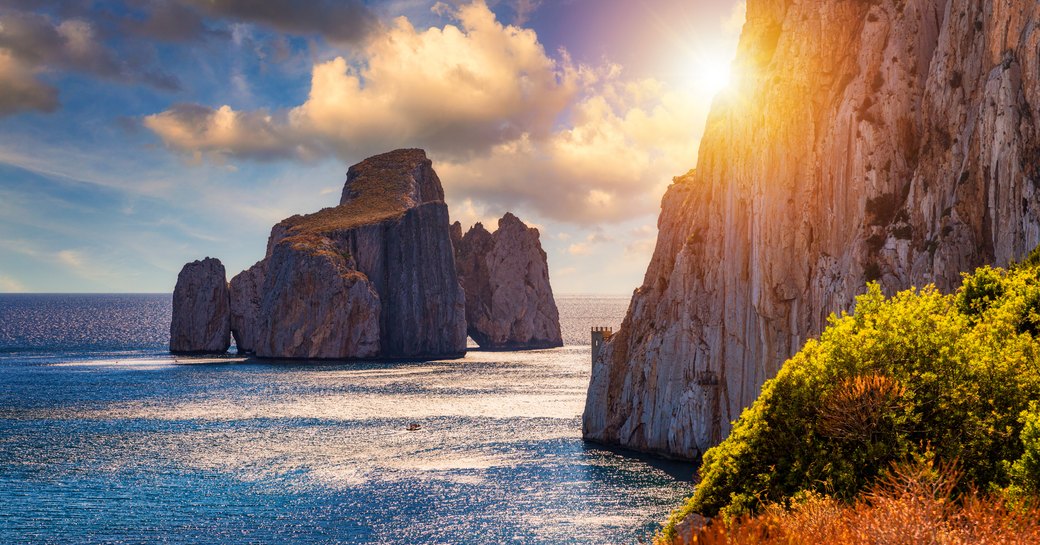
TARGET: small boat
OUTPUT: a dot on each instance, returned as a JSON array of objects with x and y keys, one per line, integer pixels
[{"x": 413, "y": 427}]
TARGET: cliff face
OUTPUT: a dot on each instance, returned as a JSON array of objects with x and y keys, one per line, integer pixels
[
  {"x": 201, "y": 309},
  {"x": 374, "y": 276},
  {"x": 891, "y": 140},
  {"x": 509, "y": 302},
  {"x": 316, "y": 305},
  {"x": 246, "y": 290}
]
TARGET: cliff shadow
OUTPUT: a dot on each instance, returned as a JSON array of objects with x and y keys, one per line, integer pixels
[{"x": 683, "y": 471}]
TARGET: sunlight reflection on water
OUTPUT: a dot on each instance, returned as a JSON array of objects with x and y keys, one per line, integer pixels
[{"x": 138, "y": 448}]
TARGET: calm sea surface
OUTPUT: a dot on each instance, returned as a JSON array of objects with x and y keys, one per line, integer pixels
[{"x": 104, "y": 438}]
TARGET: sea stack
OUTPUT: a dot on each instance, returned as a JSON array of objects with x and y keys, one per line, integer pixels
[
  {"x": 201, "y": 309},
  {"x": 247, "y": 289},
  {"x": 894, "y": 141},
  {"x": 509, "y": 302},
  {"x": 372, "y": 277}
]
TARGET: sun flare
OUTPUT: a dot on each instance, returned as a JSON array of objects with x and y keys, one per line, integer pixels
[
  {"x": 712, "y": 75},
  {"x": 706, "y": 72}
]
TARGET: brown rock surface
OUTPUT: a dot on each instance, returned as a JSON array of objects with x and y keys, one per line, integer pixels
[
  {"x": 386, "y": 255},
  {"x": 316, "y": 305},
  {"x": 893, "y": 140},
  {"x": 509, "y": 301},
  {"x": 201, "y": 309}
]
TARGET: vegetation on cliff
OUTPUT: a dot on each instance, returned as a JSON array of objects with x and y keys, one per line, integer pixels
[
  {"x": 914, "y": 504},
  {"x": 921, "y": 374}
]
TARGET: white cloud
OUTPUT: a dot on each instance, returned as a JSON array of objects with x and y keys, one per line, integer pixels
[
  {"x": 11, "y": 285},
  {"x": 468, "y": 213},
  {"x": 625, "y": 144},
  {"x": 579, "y": 248},
  {"x": 20, "y": 89},
  {"x": 70, "y": 258},
  {"x": 455, "y": 90},
  {"x": 32, "y": 43},
  {"x": 641, "y": 249},
  {"x": 507, "y": 124},
  {"x": 586, "y": 247},
  {"x": 566, "y": 272}
]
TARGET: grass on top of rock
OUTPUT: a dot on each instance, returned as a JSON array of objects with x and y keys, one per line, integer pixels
[{"x": 954, "y": 375}]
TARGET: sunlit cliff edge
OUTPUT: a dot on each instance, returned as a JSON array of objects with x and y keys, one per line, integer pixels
[{"x": 890, "y": 140}]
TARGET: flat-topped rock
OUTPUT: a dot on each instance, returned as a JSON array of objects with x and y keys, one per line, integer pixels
[
  {"x": 201, "y": 309},
  {"x": 382, "y": 260}
]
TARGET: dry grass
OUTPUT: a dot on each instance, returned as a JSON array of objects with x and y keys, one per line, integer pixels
[
  {"x": 856, "y": 408},
  {"x": 913, "y": 505},
  {"x": 380, "y": 190}
]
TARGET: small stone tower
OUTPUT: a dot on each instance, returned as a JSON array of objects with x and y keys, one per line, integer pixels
[{"x": 599, "y": 336}]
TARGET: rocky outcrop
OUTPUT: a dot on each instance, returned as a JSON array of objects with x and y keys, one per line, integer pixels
[
  {"x": 509, "y": 302},
  {"x": 246, "y": 290},
  {"x": 316, "y": 305},
  {"x": 374, "y": 276},
  {"x": 201, "y": 309},
  {"x": 892, "y": 140}
]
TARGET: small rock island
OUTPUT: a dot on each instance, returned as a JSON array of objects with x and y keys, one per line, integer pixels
[
  {"x": 201, "y": 309},
  {"x": 509, "y": 302},
  {"x": 381, "y": 275}
]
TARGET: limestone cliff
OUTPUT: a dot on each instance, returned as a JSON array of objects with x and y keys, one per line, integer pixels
[
  {"x": 374, "y": 276},
  {"x": 509, "y": 302},
  {"x": 889, "y": 140},
  {"x": 201, "y": 309}
]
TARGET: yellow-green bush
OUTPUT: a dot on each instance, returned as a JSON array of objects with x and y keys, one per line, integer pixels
[{"x": 952, "y": 375}]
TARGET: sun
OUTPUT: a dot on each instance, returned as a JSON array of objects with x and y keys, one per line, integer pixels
[
  {"x": 711, "y": 75},
  {"x": 705, "y": 72}
]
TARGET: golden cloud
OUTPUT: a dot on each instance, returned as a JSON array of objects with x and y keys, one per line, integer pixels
[{"x": 506, "y": 122}]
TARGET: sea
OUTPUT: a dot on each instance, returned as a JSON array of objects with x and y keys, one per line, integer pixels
[{"x": 106, "y": 438}]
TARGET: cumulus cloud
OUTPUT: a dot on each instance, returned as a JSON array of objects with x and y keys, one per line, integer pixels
[
  {"x": 171, "y": 21},
  {"x": 586, "y": 246},
  {"x": 456, "y": 91},
  {"x": 20, "y": 90},
  {"x": 506, "y": 122},
  {"x": 625, "y": 144},
  {"x": 32, "y": 44},
  {"x": 221, "y": 131},
  {"x": 342, "y": 21},
  {"x": 469, "y": 213}
]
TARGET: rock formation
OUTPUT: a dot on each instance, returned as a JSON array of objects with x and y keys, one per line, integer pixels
[
  {"x": 246, "y": 295},
  {"x": 891, "y": 140},
  {"x": 316, "y": 304},
  {"x": 374, "y": 276},
  {"x": 201, "y": 309},
  {"x": 509, "y": 302}
]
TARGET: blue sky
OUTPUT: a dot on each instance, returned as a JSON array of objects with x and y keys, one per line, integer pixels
[{"x": 137, "y": 135}]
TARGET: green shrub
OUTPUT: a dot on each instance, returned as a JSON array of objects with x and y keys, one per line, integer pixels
[{"x": 919, "y": 372}]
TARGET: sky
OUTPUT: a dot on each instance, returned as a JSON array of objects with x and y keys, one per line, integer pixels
[{"x": 138, "y": 135}]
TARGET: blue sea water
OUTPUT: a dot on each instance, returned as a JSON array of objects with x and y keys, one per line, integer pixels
[{"x": 105, "y": 438}]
